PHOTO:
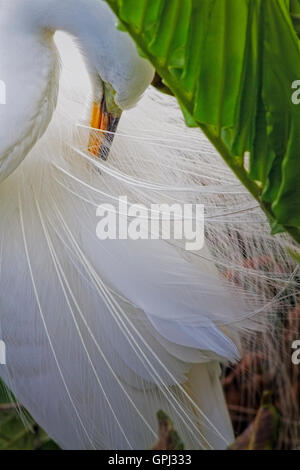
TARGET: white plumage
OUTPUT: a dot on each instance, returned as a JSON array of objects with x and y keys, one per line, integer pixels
[{"x": 101, "y": 335}]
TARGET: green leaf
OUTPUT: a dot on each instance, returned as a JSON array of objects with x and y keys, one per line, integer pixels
[
  {"x": 262, "y": 432},
  {"x": 283, "y": 117},
  {"x": 231, "y": 65},
  {"x": 168, "y": 438}
]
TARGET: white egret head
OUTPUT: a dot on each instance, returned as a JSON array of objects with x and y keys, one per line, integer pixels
[{"x": 29, "y": 67}]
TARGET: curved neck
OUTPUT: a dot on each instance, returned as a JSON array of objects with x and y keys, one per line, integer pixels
[
  {"x": 91, "y": 22},
  {"x": 110, "y": 54},
  {"x": 53, "y": 14},
  {"x": 28, "y": 62},
  {"x": 77, "y": 17}
]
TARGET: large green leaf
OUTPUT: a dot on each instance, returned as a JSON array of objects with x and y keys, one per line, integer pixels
[{"x": 231, "y": 65}]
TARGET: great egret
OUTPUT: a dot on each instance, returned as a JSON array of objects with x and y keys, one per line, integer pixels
[{"x": 100, "y": 335}]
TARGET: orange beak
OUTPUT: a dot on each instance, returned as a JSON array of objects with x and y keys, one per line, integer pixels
[{"x": 106, "y": 124}]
